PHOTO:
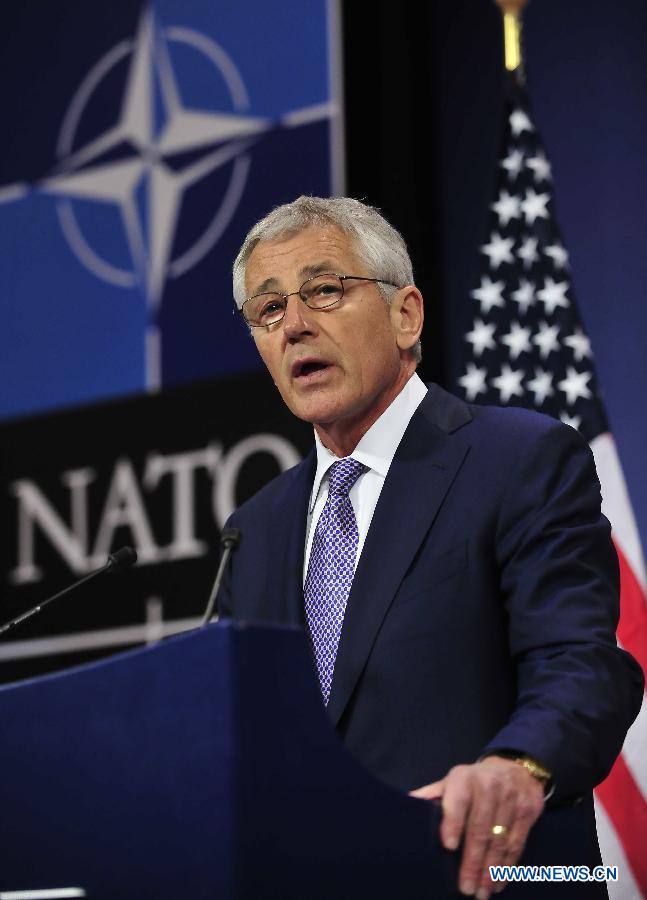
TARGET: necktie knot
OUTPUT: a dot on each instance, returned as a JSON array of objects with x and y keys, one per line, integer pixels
[{"x": 342, "y": 476}]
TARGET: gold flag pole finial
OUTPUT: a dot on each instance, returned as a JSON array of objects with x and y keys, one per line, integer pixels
[{"x": 512, "y": 10}]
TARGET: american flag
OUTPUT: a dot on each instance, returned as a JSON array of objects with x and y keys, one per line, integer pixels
[{"x": 527, "y": 346}]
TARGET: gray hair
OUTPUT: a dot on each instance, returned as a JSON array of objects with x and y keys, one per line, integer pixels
[{"x": 376, "y": 243}]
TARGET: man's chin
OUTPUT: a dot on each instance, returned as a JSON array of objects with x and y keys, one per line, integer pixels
[
  {"x": 316, "y": 411},
  {"x": 318, "y": 406}
]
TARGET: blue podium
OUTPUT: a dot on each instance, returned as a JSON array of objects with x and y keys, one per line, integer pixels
[{"x": 201, "y": 767}]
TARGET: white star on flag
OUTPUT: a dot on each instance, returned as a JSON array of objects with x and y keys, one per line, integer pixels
[
  {"x": 482, "y": 336},
  {"x": 534, "y": 206},
  {"x": 517, "y": 340},
  {"x": 574, "y": 421},
  {"x": 541, "y": 385},
  {"x": 508, "y": 383},
  {"x": 546, "y": 339},
  {"x": 575, "y": 385},
  {"x": 489, "y": 294},
  {"x": 473, "y": 381},
  {"x": 524, "y": 295},
  {"x": 558, "y": 255},
  {"x": 579, "y": 344},
  {"x": 507, "y": 207},
  {"x": 513, "y": 163},
  {"x": 553, "y": 294},
  {"x": 499, "y": 250},
  {"x": 527, "y": 252},
  {"x": 540, "y": 167},
  {"x": 519, "y": 122}
]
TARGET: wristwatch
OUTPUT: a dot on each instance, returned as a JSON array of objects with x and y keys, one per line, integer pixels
[
  {"x": 530, "y": 764},
  {"x": 536, "y": 769}
]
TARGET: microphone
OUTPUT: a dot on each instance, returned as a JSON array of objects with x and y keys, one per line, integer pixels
[
  {"x": 229, "y": 541},
  {"x": 117, "y": 562},
  {"x": 121, "y": 559}
]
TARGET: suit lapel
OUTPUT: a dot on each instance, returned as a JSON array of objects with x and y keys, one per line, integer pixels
[
  {"x": 420, "y": 475},
  {"x": 283, "y": 593}
]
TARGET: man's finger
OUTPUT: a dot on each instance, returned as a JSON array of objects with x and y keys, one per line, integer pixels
[
  {"x": 429, "y": 791},
  {"x": 516, "y": 841},
  {"x": 457, "y": 799},
  {"x": 478, "y": 834},
  {"x": 496, "y": 855},
  {"x": 522, "y": 810},
  {"x": 502, "y": 827},
  {"x": 529, "y": 808}
]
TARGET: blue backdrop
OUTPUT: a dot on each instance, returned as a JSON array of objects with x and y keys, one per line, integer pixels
[
  {"x": 140, "y": 143},
  {"x": 587, "y": 69}
]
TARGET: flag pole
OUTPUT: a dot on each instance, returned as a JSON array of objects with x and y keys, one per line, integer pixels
[{"x": 512, "y": 11}]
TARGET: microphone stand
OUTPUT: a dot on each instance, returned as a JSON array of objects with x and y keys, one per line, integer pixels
[
  {"x": 229, "y": 540},
  {"x": 123, "y": 558}
]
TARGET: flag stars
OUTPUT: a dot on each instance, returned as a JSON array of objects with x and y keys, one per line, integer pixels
[
  {"x": 579, "y": 344},
  {"x": 517, "y": 340},
  {"x": 553, "y": 294},
  {"x": 520, "y": 122},
  {"x": 508, "y": 383},
  {"x": 507, "y": 207},
  {"x": 499, "y": 250},
  {"x": 575, "y": 385},
  {"x": 513, "y": 163},
  {"x": 489, "y": 294},
  {"x": 473, "y": 382},
  {"x": 534, "y": 206},
  {"x": 558, "y": 254},
  {"x": 524, "y": 295},
  {"x": 527, "y": 252},
  {"x": 541, "y": 385},
  {"x": 540, "y": 167},
  {"x": 481, "y": 337},
  {"x": 574, "y": 421},
  {"x": 546, "y": 339}
]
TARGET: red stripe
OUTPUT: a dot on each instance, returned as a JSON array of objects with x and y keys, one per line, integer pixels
[
  {"x": 620, "y": 795},
  {"x": 627, "y": 809},
  {"x": 632, "y": 629}
]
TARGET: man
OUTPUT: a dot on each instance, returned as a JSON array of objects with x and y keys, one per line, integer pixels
[{"x": 450, "y": 562}]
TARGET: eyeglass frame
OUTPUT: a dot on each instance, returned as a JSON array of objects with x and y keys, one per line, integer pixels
[{"x": 342, "y": 279}]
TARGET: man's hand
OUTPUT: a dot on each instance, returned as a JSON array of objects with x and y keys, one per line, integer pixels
[{"x": 475, "y": 798}]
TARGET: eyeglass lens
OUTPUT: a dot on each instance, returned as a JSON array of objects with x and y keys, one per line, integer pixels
[{"x": 317, "y": 293}]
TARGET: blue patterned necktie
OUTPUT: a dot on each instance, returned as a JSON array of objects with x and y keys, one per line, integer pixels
[{"x": 331, "y": 568}]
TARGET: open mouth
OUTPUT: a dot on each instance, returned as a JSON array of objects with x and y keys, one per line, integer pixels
[{"x": 308, "y": 367}]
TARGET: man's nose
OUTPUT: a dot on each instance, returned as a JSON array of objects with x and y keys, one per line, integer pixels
[{"x": 298, "y": 318}]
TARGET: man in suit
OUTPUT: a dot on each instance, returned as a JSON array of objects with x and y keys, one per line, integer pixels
[{"x": 449, "y": 562}]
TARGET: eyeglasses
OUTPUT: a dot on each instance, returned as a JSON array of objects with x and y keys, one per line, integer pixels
[{"x": 318, "y": 292}]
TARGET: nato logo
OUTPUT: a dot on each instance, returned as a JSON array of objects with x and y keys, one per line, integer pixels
[{"x": 169, "y": 143}]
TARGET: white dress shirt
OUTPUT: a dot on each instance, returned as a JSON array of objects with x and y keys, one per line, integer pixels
[{"x": 376, "y": 450}]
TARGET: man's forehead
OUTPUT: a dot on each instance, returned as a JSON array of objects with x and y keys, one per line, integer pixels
[{"x": 301, "y": 255}]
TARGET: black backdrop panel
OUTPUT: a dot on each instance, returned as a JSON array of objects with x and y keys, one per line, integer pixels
[{"x": 158, "y": 473}]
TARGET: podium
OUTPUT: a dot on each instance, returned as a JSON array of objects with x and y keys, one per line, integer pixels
[{"x": 201, "y": 767}]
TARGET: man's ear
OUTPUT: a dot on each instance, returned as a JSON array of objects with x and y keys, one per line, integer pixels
[{"x": 407, "y": 316}]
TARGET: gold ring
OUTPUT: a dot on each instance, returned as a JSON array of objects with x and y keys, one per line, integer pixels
[{"x": 499, "y": 830}]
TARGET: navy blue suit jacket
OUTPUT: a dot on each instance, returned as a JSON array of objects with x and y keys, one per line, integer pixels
[{"x": 483, "y": 610}]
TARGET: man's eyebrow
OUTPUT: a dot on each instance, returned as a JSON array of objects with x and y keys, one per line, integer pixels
[
  {"x": 272, "y": 284},
  {"x": 318, "y": 268}
]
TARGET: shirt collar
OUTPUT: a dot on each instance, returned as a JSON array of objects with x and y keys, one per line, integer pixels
[{"x": 377, "y": 448}]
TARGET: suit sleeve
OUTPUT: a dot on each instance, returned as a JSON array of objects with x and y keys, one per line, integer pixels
[{"x": 577, "y": 692}]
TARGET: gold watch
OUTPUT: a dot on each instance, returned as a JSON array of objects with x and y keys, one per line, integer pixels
[{"x": 536, "y": 769}]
